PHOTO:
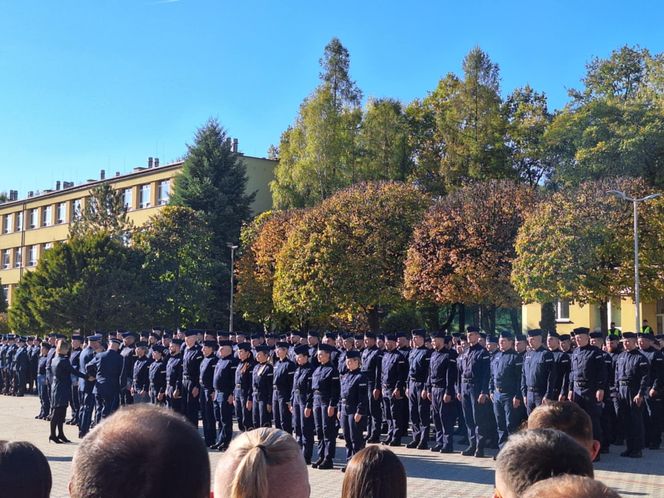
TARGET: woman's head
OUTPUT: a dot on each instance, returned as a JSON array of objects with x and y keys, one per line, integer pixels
[
  {"x": 263, "y": 463},
  {"x": 24, "y": 471},
  {"x": 374, "y": 472},
  {"x": 62, "y": 347}
]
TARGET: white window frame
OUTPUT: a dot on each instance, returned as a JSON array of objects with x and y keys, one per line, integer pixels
[
  {"x": 142, "y": 202},
  {"x": 18, "y": 221},
  {"x": 34, "y": 218},
  {"x": 6, "y": 259},
  {"x": 5, "y": 291},
  {"x": 18, "y": 257},
  {"x": 128, "y": 198},
  {"x": 559, "y": 307},
  {"x": 7, "y": 223},
  {"x": 32, "y": 256},
  {"x": 46, "y": 216},
  {"x": 164, "y": 195},
  {"x": 61, "y": 213},
  {"x": 75, "y": 209}
]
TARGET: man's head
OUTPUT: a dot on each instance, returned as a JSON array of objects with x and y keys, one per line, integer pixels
[
  {"x": 264, "y": 462},
  {"x": 569, "y": 486},
  {"x": 534, "y": 455},
  {"x": 534, "y": 338},
  {"x": 122, "y": 458},
  {"x": 569, "y": 418}
]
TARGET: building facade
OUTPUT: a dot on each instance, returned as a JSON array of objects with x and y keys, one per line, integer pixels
[
  {"x": 30, "y": 226},
  {"x": 621, "y": 311}
]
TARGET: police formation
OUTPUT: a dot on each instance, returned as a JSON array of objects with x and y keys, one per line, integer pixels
[{"x": 361, "y": 388}]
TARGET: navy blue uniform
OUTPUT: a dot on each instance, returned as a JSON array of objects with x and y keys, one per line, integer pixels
[
  {"x": 653, "y": 412},
  {"x": 474, "y": 372},
  {"x": 128, "y": 354},
  {"x": 505, "y": 387},
  {"x": 562, "y": 365},
  {"x": 631, "y": 378},
  {"x": 588, "y": 375},
  {"x": 420, "y": 407},
  {"x": 302, "y": 399},
  {"x": 354, "y": 389},
  {"x": 141, "y": 380},
  {"x": 223, "y": 382},
  {"x": 75, "y": 402},
  {"x": 62, "y": 372},
  {"x": 394, "y": 376},
  {"x": 42, "y": 389},
  {"x": 191, "y": 362},
  {"x": 262, "y": 386},
  {"x": 441, "y": 382},
  {"x": 157, "y": 376},
  {"x": 538, "y": 378},
  {"x": 284, "y": 370},
  {"x": 207, "y": 398},
  {"x": 371, "y": 367},
  {"x": 21, "y": 366},
  {"x": 106, "y": 367},
  {"x": 85, "y": 392},
  {"x": 174, "y": 383},
  {"x": 243, "y": 393},
  {"x": 326, "y": 387}
]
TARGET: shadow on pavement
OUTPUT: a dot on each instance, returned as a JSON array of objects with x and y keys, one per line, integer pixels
[{"x": 432, "y": 468}]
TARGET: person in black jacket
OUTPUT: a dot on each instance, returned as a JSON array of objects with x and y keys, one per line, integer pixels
[
  {"x": 21, "y": 366},
  {"x": 140, "y": 387},
  {"x": 62, "y": 372},
  {"x": 106, "y": 367},
  {"x": 353, "y": 405},
  {"x": 326, "y": 387},
  {"x": 302, "y": 401},
  {"x": 157, "y": 376},
  {"x": 223, "y": 381},
  {"x": 42, "y": 387}
]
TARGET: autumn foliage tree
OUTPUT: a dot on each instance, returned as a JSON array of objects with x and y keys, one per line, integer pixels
[
  {"x": 462, "y": 251},
  {"x": 346, "y": 255},
  {"x": 578, "y": 245}
]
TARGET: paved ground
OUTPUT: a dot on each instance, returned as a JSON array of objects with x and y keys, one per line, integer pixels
[{"x": 429, "y": 474}]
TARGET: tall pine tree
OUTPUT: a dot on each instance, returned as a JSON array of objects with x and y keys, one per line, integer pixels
[{"x": 214, "y": 181}]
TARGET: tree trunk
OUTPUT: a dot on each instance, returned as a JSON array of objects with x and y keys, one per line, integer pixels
[
  {"x": 462, "y": 318},
  {"x": 548, "y": 319},
  {"x": 450, "y": 317},
  {"x": 604, "y": 317},
  {"x": 373, "y": 317},
  {"x": 515, "y": 315}
]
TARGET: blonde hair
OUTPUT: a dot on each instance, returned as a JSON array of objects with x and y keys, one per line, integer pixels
[
  {"x": 254, "y": 452},
  {"x": 62, "y": 346},
  {"x": 569, "y": 486}
]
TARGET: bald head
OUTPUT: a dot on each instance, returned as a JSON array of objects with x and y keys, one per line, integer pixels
[{"x": 141, "y": 451}]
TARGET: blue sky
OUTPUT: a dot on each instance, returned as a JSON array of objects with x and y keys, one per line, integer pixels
[{"x": 90, "y": 85}]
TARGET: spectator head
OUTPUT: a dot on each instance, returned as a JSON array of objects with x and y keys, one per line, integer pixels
[
  {"x": 376, "y": 472},
  {"x": 62, "y": 347},
  {"x": 263, "y": 463},
  {"x": 24, "y": 471},
  {"x": 569, "y": 418},
  {"x": 534, "y": 455},
  {"x": 141, "y": 450},
  {"x": 569, "y": 486}
]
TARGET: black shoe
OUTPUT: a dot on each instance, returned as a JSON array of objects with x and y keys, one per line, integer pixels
[
  {"x": 413, "y": 444},
  {"x": 625, "y": 453},
  {"x": 654, "y": 447},
  {"x": 214, "y": 446},
  {"x": 54, "y": 439},
  {"x": 436, "y": 449},
  {"x": 222, "y": 447},
  {"x": 326, "y": 465},
  {"x": 394, "y": 443},
  {"x": 386, "y": 442},
  {"x": 373, "y": 440},
  {"x": 38, "y": 417},
  {"x": 635, "y": 454},
  {"x": 307, "y": 461},
  {"x": 64, "y": 439},
  {"x": 343, "y": 469},
  {"x": 470, "y": 451},
  {"x": 447, "y": 449},
  {"x": 423, "y": 446},
  {"x": 317, "y": 462},
  {"x": 604, "y": 450},
  {"x": 464, "y": 441},
  {"x": 479, "y": 454}
]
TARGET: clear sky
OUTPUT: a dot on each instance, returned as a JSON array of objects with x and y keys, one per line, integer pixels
[{"x": 103, "y": 84}]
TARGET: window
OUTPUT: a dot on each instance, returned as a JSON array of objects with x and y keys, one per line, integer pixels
[
  {"x": 562, "y": 311},
  {"x": 162, "y": 192},
  {"x": 7, "y": 224},
  {"x": 19, "y": 221},
  {"x": 46, "y": 218},
  {"x": 18, "y": 257},
  {"x": 5, "y": 292},
  {"x": 75, "y": 210},
  {"x": 46, "y": 247},
  {"x": 5, "y": 259},
  {"x": 32, "y": 256},
  {"x": 33, "y": 218},
  {"x": 61, "y": 213},
  {"x": 127, "y": 196},
  {"x": 144, "y": 196}
]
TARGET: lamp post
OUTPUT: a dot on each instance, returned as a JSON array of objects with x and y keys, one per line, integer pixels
[
  {"x": 230, "y": 313},
  {"x": 637, "y": 286}
]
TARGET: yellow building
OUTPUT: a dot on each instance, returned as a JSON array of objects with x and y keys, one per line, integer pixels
[
  {"x": 621, "y": 311},
  {"x": 29, "y": 226}
]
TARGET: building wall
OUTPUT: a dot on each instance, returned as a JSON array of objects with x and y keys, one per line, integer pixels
[{"x": 52, "y": 228}]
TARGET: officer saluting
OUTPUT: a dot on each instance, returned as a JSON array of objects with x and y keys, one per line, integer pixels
[
  {"x": 538, "y": 379},
  {"x": 631, "y": 381},
  {"x": 353, "y": 405}
]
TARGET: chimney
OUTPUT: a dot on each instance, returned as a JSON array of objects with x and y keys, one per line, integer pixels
[
  {"x": 117, "y": 173},
  {"x": 31, "y": 194},
  {"x": 228, "y": 142},
  {"x": 13, "y": 195},
  {"x": 102, "y": 174},
  {"x": 235, "y": 142},
  {"x": 150, "y": 163},
  {"x": 156, "y": 162},
  {"x": 57, "y": 185},
  {"x": 67, "y": 184}
]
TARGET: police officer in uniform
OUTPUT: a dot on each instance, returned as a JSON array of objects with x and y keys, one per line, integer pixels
[
  {"x": 191, "y": 363},
  {"x": 353, "y": 405},
  {"x": 21, "y": 366},
  {"x": 207, "y": 394},
  {"x": 441, "y": 389},
  {"x": 632, "y": 383},
  {"x": 474, "y": 372},
  {"x": 262, "y": 386},
  {"x": 140, "y": 387},
  {"x": 588, "y": 379},
  {"x": 42, "y": 388},
  {"x": 326, "y": 387},
  {"x": 174, "y": 377},
  {"x": 106, "y": 367},
  {"x": 157, "y": 376},
  {"x": 538, "y": 381},
  {"x": 420, "y": 406},
  {"x": 561, "y": 367},
  {"x": 223, "y": 382},
  {"x": 371, "y": 367},
  {"x": 243, "y": 387},
  {"x": 302, "y": 401},
  {"x": 284, "y": 371},
  {"x": 128, "y": 354},
  {"x": 653, "y": 409},
  {"x": 394, "y": 378},
  {"x": 86, "y": 387},
  {"x": 505, "y": 387}
]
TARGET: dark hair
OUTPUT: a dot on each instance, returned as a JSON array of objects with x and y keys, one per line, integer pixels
[
  {"x": 24, "y": 471},
  {"x": 534, "y": 455},
  {"x": 374, "y": 472},
  {"x": 564, "y": 416},
  {"x": 142, "y": 451}
]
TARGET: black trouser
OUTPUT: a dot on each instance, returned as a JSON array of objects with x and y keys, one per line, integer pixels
[
  {"x": 259, "y": 411},
  {"x": 653, "y": 422},
  {"x": 534, "y": 399},
  {"x": 477, "y": 415},
  {"x": 44, "y": 396},
  {"x": 190, "y": 403},
  {"x": 393, "y": 413},
  {"x": 352, "y": 432},
  {"x": 587, "y": 400},
  {"x": 125, "y": 397},
  {"x": 245, "y": 421},
  {"x": 375, "y": 414},
  {"x": 444, "y": 415},
  {"x": 326, "y": 429},
  {"x": 304, "y": 428},
  {"x": 420, "y": 412},
  {"x": 283, "y": 418},
  {"x": 507, "y": 417},
  {"x": 630, "y": 417},
  {"x": 107, "y": 403},
  {"x": 223, "y": 413},
  {"x": 207, "y": 397},
  {"x": 75, "y": 402},
  {"x": 85, "y": 412},
  {"x": 58, "y": 420}
]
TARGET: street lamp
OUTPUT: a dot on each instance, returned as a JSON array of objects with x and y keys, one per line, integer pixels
[
  {"x": 637, "y": 285},
  {"x": 230, "y": 317}
]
